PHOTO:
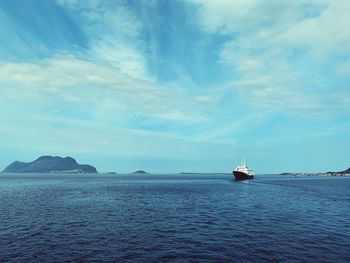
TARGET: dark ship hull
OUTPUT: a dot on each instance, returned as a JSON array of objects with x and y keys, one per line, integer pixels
[{"x": 240, "y": 176}]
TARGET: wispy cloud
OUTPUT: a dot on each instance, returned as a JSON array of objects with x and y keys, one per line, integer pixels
[
  {"x": 109, "y": 92},
  {"x": 266, "y": 52}
]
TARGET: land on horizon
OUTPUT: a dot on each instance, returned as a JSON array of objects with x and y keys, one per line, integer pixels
[{"x": 56, "y": 164}]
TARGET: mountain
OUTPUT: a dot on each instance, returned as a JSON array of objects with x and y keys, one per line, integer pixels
[{"x": 47, "y": 164}]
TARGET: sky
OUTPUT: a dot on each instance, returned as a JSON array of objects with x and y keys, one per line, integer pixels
[{"x": 177, "y": 85}]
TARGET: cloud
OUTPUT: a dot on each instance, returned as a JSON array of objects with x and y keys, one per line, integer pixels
[
  {"x": 325, "y": 34},
  {"x": 107, "y": 21},
  {"x": 192, "y": 80},
  {"x": 69, "y": 105},
  {"x": 253, "y": 16},
  {"x": 105, "y": 85},
  {"x": 110, "y": 92},
  {"x": 271, "y": 56},
  {"x": 36, "y": 29}
]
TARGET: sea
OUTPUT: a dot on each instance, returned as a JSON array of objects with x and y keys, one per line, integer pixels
[{"x": 173, "y": 218}]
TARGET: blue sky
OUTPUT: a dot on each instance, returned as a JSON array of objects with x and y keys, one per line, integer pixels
[{"x": 177, "y": 85}]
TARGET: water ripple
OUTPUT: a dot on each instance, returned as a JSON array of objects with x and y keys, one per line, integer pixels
[{"x": 177, "y": 218}]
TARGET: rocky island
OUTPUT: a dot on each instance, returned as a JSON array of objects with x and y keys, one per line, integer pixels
[{"x": 50, "y": 164}]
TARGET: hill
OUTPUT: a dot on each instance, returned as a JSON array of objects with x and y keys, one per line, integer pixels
[{"x": 49, "y": 164}]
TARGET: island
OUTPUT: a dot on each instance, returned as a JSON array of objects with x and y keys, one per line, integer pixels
[
  {"x": 50, "y": 164},
  {"x": 140, "y": 172}
]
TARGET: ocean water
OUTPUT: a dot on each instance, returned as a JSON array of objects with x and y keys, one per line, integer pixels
[{"x": 173, "y": 218}]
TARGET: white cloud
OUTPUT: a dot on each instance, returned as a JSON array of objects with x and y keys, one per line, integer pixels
[
  {"x": 324, "y": 34},
  {"x": 125, "y": 58},
  {"x": 245, "y": 17},
  {"x": 266, "y": 36},
  {"x": 105, "y": 19},
  {"x": 114, "y": 33},
  {"x": 66, "y": 105},
  {"x": 110, "y": 92}
]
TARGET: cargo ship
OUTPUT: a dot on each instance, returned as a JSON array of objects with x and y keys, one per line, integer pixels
[{"x": 243, "y": 172}]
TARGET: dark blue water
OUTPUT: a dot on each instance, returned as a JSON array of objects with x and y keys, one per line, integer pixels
[{"x": 173, "y": 218}]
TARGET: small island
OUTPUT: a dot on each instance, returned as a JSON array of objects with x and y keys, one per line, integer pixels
[
  {"x": 50, "y": 164},
  {"x": 140, "y": 172}
]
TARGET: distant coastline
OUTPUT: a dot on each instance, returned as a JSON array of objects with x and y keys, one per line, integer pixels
[{"x": 342, "y": 173}]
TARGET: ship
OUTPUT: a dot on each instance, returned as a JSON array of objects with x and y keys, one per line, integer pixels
[{"x": 243, "y": 172}]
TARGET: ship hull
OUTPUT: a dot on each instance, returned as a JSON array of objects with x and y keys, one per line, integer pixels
[{"x": 240, "y": 176}]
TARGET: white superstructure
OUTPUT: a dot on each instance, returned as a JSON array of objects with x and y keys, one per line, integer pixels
[{"x": 244, "y": 169}]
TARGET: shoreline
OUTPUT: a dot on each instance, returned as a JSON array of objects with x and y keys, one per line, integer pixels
[{"x": 317, "y": 174}]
